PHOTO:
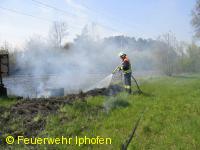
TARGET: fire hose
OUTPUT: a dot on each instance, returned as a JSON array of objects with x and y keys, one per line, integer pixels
[
  {"x": 128, "y": 141},
  {"x": 117, "y": 69},
  {"x": 139, "y": 90}
]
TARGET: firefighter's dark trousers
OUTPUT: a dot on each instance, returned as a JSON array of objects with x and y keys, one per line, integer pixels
[{"x": 127, "y": 82}]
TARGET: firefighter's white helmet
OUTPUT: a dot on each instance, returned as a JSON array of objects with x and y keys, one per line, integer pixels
[{"x": 121, "y": 54}]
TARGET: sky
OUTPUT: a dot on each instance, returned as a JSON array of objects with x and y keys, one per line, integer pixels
[{"x": 138, "y": 18}]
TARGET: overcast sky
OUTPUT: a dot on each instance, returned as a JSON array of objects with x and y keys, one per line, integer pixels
[{"x": 139, "y": 18}]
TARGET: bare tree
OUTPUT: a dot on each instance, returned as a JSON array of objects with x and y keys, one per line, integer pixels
[
  {"x": 167, "y": 54},
  {"x": 196, "y": 18},
  {"x": 58, "y": 33}
]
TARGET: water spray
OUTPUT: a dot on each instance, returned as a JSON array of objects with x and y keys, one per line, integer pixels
[{"x": 139, "y": 90}]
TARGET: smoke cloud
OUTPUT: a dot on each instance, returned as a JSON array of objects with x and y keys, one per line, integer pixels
[{"x": 87, "y": 60}]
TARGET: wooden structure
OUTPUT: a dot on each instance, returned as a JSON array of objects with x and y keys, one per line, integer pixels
[{"x": 4, "y": 70}]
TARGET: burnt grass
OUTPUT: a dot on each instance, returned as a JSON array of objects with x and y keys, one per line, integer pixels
[{"x": 28, "y": 116}]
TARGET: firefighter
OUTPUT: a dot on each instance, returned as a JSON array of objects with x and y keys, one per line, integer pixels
[{"x": 126, "y": 69}]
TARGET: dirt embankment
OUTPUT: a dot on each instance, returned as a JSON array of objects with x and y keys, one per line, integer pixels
[{"x": 28, "y": 116}]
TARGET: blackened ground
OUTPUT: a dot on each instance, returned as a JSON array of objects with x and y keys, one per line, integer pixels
[
  {"x": 28, "y": 116},
  {"x": 111, "y": 90}
]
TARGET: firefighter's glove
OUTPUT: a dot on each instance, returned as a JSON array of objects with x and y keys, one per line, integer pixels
[{"x": 120, "y": 68}]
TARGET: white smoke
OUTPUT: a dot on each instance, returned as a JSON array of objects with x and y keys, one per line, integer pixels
[{"x": 87, "y": 61}]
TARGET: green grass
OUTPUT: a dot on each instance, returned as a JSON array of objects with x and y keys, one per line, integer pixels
[
  {"x": 7, "y": 102},
  {"x": 171, "y": 119}
]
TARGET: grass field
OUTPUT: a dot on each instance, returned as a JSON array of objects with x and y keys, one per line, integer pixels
[{"x": 171, "y": 119}]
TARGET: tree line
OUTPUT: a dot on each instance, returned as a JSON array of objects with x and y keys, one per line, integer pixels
[{"x": 165, "y": 54}]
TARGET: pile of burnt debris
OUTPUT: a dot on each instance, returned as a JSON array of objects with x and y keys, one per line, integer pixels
[
  {"x": 26, "y": 111},
  {"x": 110, "y": 91},
  {"x": 26, "y": 118}
]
